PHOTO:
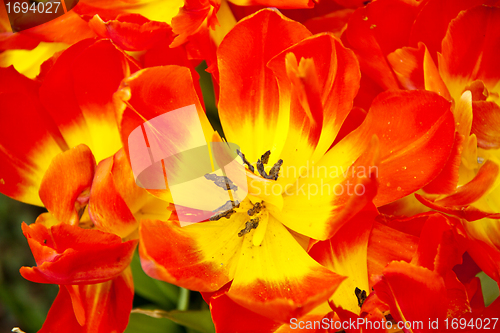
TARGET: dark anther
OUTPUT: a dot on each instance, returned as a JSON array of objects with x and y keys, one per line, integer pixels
[
  {"x": 228, "y": 210},
  {"x": 255, "y": 209},
  {"x": 248, "y": 164},
  {"x": 265, "y": 158},
  {"x": 44, "y": 241},
  {"x": 222, "y": 182},
  {"x": 252, "y": 224},
  {"x": 366, "y": 2},
  {"x": 360, "y": 295},
  {"x": 275, "y": 170}
]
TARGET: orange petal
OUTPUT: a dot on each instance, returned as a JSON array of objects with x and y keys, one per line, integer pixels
[
  {"x": 65, "y": 186},
  {"x": 27, "y": 136},
  {"x": 102, "y": 307},
  {"x": 403, "y": 247},
  {"x": 414, "y": 148},
  {"x": 187, "y": 256},
  {"x": 67, "y": 254},
  {"x": 141, "y": 103},
  {"x": 249, "y": 105}
]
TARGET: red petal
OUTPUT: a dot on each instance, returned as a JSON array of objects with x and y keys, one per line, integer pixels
[
  {"x": 105, "y": 307},
  {"x": 486, "y": 124},
  {"x": 375, "y": 31},
  {"x": 441, "y": 245},
  {"x": 67, "y": 254},
  {"x": 408, "y": 288},
  {"x": 194, "y": 16},
  {"x": 229, "y": 316},
  {"x": 471, "y": 54},
  {"x": 27, "y": 136},
  {"x": 415, "y": 69},
  {"x": 131, "y": 32},
  {"x": 432, "y": 22},
  {"x": 65, "y": 186}
]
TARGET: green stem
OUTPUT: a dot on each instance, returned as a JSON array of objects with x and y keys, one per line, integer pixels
[{"x": 183, "y": 303}]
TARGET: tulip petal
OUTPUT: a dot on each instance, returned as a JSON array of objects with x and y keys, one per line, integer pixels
[
  {"x": 82, "y": 108},
  {"x": 115, "y": 196},
  {"x": 66, "y": 184},
  {"x": 105, "y": 306},
  {"x": 67, "y": 254},
  {"x": 249, "y": 107},
  {"x": 414, "y": 148},
  {"x": 329, "y": 195},
  {"x": 486, "y": 124},
  {"x": 26, "y": 149},
  {"x": 346, "y": 254},
  {"x": 471, "y": 54},
  {"x": 131, "y": 32},
  {"x": 278, "y": 279},
  {"x": 408, "y": 288}
]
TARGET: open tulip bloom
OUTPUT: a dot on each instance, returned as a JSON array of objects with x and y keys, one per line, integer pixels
[{"x": 340, "y": 172}]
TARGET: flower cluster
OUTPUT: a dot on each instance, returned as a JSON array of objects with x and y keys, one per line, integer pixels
[{"x": 363, "y": 139}]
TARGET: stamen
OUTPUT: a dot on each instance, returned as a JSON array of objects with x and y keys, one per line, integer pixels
[
  {"x": 222, "y": 181},
  {"x": 228, "y": 210},
  {"x": 252, "y": 224},
  {"x": 265, "y": 158},
  {"x": 245, "y": 161},
  {"x": 360, "y": 295},
  {"x": 255, "y": 209},
  {"x": 275, "y": 170}
]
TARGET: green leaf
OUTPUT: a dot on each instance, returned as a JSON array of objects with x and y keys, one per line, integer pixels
[
  {"x": 161, "y": 293},
  {"x": 489, "y": 287},
  {"x": 140, "y": 323},
  {"x": 200, "y": 321}
]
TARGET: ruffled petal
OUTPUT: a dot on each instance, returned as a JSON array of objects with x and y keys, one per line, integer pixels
[
  {"x": 66, "y": 184},
  {"x": 27, "y": 148},
  {"x": 131, "y": 32},
  {"x": 115, "y": 196},
  {"x": 102, "y": 308},
  {"x": 408, "y": 288},
  {"x": 67, "y": 254}
]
